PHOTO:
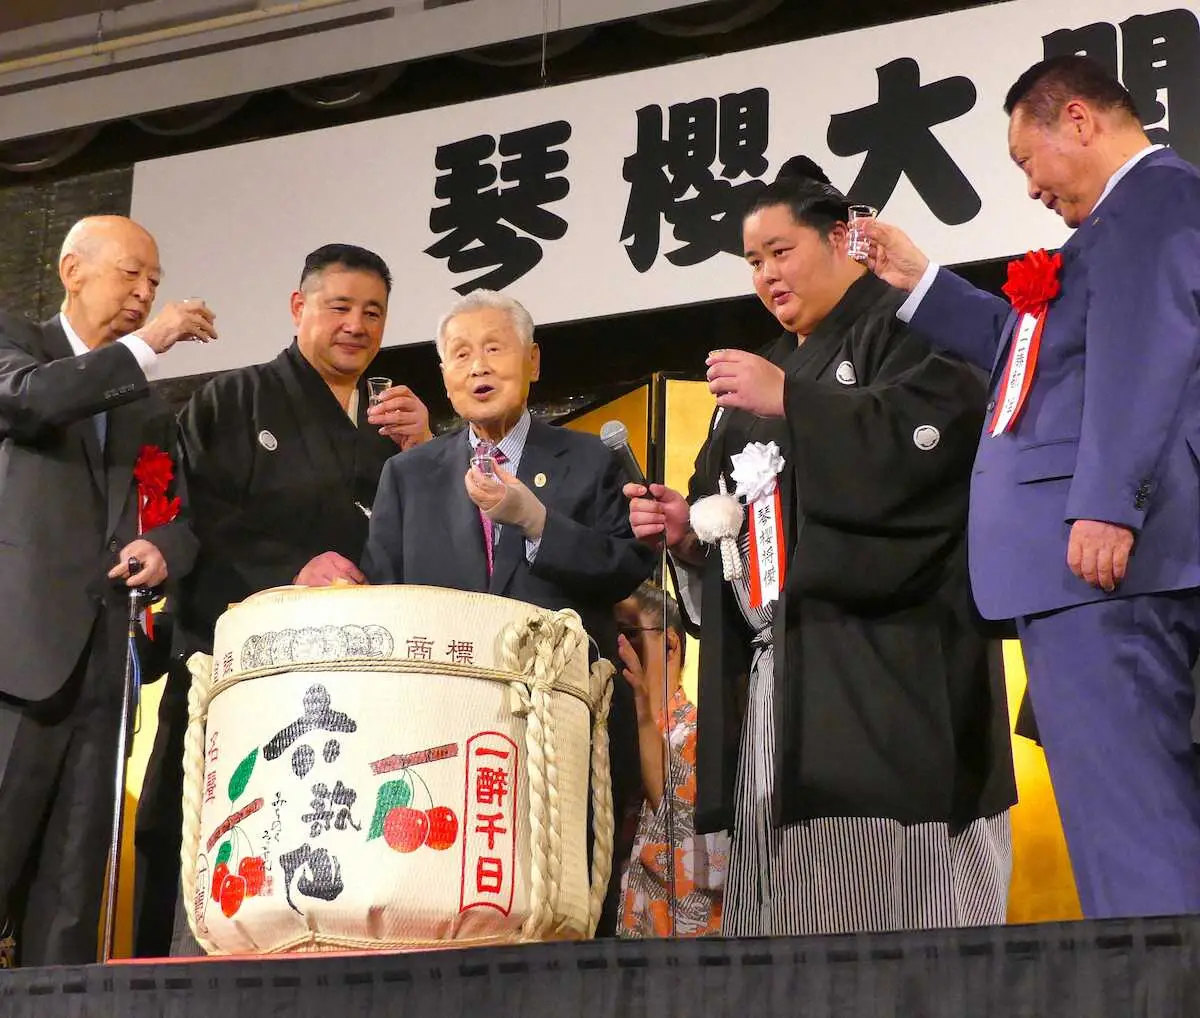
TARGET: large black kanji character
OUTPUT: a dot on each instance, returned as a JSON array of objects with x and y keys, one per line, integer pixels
[
  {"x": 480, "y": 219},
  {"x": 896, "y": 135},
  {"x": 320, "y": 874},
  {"x": 1160, "y": 53},
  {"x": 1097, "y": 42},
  {"x": 664, "y": 169},
  {"x": 317, "y": 716}
]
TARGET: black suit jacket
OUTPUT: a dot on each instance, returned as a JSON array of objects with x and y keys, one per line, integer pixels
[
  {"x": 424, "y": 529},
  {"x": 66, "y": 508}
]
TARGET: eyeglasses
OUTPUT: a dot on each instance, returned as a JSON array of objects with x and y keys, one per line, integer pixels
[{"x": 633, "y": 633}]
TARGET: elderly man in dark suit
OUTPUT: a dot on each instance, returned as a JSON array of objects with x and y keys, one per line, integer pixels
[
  {"x": 76, "y": 413},
  {"x": 553, "y": 530},
  {"x": 1085, "y": 498}
]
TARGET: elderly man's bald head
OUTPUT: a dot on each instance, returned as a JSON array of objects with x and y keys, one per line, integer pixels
[
  {"x": 91, "y": 235},
  {"x": 109, "y": 267}
]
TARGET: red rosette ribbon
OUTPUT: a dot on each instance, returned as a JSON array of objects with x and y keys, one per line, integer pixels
[
  {"x": 154, "y": 473},
  {"x": 153, "y": 470},
  {"x": 1033, "y": 281},
  {"x": 157, "y": 511},
  {"x": 1032, "y": 284}
]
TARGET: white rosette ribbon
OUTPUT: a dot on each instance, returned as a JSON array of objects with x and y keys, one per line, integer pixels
[{"x": 756, "y": 471}]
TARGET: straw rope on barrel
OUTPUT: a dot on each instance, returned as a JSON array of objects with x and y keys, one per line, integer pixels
[
  {"x": 532, "y": 657},
  {"x": 602, "y": 808},
  {"x": 200, "y": 668}
]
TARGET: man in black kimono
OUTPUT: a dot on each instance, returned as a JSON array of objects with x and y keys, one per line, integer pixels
[
  {"x": 282, "y": 460},
  {"x": 868, "y": 779}
]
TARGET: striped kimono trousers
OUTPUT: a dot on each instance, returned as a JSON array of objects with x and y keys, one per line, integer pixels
[{"x": 845, "y": 874}]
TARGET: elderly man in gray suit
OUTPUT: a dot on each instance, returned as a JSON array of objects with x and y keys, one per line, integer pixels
[{"x": 76, "y": 418}]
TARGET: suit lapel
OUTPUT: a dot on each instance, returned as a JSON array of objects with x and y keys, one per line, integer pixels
[
  {"x": 460, "y": 517},
  {"x": 1001, "y": 358},
  {"x": 121, "y": 449},
  {"x": 59, "y": 347},
  {"x": 540, "y": 456}
]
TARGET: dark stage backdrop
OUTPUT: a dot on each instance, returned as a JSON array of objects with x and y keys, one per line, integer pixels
[{"x": 34, "y": 218}]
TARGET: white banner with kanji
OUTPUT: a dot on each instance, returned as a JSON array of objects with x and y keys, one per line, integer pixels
[{"x": 613, "y": 195}]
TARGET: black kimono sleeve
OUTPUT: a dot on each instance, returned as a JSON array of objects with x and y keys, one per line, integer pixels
[{"x": 881, "y": 474}]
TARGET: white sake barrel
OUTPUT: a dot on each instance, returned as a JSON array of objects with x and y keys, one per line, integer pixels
[{"x": 385, "y": 767}]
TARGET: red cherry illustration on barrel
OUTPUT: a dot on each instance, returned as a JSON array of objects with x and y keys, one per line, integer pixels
[
  {"x": 219, "y": 874},
  {"x": 405, "y": 829},
  {"x": 233, "y": 892},
  {"x": 253, "y": 870},
  {"x": 443, "y": 828}
]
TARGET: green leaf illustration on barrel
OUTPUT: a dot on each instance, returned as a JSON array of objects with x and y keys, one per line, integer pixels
[
  {"x": 241, "y": 775},
  {"x": 391, "y": 794}
]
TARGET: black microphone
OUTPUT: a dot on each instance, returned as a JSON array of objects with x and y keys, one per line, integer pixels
[{"x": 615, "y": 435}]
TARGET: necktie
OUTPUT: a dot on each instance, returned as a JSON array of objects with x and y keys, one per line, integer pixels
[
  {"x": 101, "y": 422},
  {"x": 489, "y": 528}
]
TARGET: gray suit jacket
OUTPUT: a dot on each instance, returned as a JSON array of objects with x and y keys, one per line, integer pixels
[{"x": 66, "y": 506}]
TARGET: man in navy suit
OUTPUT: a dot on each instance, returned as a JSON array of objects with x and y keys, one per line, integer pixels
[
  {"x": 1085, "y": 503},
  {"x": 558, "y": 532}
]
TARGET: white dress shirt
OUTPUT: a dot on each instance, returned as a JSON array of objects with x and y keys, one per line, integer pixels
[
  {"x": 147, "y": 359},
  {"x": 512, "y": 445}
]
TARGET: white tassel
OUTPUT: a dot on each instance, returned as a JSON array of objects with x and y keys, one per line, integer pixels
[{"x": 717, "y": 519}]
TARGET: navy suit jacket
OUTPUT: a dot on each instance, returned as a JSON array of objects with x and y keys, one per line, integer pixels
[{"x": 1111, "y": 426}]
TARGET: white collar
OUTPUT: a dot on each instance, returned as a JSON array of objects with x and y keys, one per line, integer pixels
[
  {"x": 513, "y": 443},
  {"x": 78, "y": 346}
]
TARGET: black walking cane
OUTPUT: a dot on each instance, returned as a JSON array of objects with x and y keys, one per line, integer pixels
[
  {"x": 668, "y": 791},
  {"x": 128, "y": 705},
  {"x": 657, "y": 468}
]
